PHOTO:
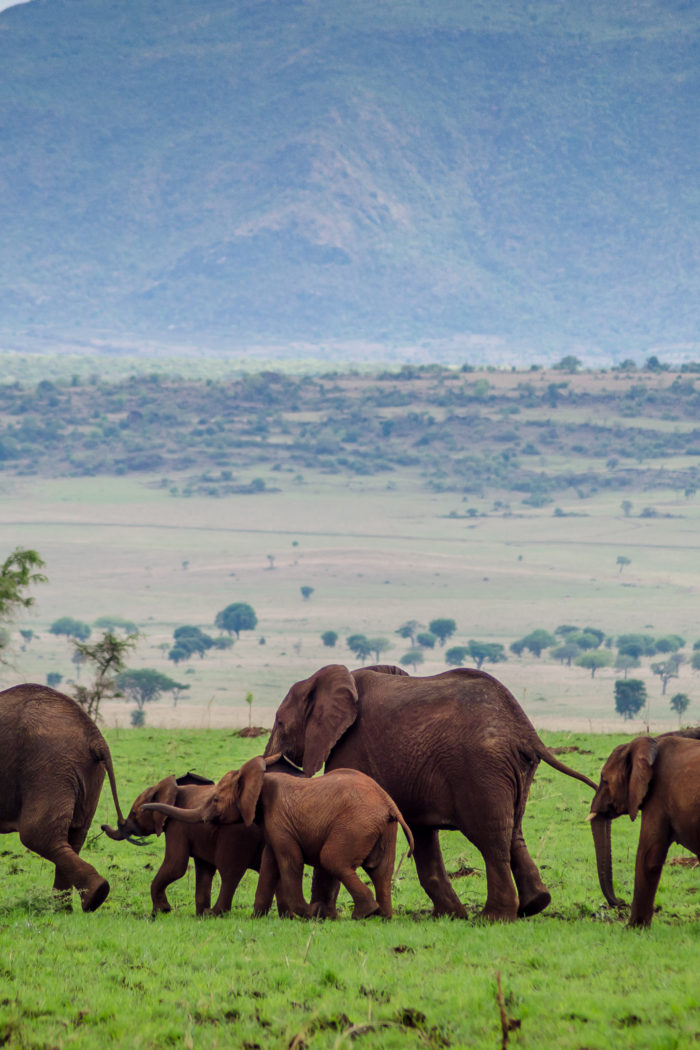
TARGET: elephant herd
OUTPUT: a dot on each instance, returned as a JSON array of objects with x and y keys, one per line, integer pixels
[{"x": 448, "y": 751}]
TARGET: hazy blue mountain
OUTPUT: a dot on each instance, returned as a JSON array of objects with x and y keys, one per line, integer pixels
[{"x": 207, "y": 173}]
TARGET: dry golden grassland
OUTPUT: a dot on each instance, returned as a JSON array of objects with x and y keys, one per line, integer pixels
[{"x": 377, "y": 553}]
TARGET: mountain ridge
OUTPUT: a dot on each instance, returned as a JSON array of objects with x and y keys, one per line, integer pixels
[{"x": 302, "y": 172}]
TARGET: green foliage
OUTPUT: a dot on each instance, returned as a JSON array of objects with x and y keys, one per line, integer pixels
[
  {"x": 426, "y": 639},
  {"x": 145, "y": 685},
  {"x": 456, "y": 655},
  {"x": 360, "y": 645},
  {"x": 329, "y": 638},
  {"x": 566, "y": 653},
  {"x": 630, "y": 696},
  {"x": 536, "y": 642},
  {"x": 667, "y": 669},
  {"x": 443, "y": 628},
  {"x": 636, "y": 645},
  {"x": 188, "y": 641},
  {"x": 107, "y": 657},
  {"x": 679, "y": 703},
  {"x": 483, "y": 652},
  {"x": 116, "y": 623},
  {"x": 409, "y": 630},
  {"x": 306, "y": 592},
  {"x": 19, "y": 571},
  {"x": 413, "y": 658},
  {"x": 594, "y": 660},
  {"x": 71, "y": 627},
  {"x": 237, "y": 617}
]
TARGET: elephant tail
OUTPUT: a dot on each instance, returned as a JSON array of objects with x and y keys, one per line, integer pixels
[
  {"x": 551, "y": 759},
  {"x": 396, "y": 814},
  {"x": 101, "y": 753}
]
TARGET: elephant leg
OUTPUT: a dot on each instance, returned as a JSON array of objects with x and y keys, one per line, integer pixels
[
  {"x": 268, "y": 881},
  {"x": 42, "y": 833},
  {"x": 494, "y": 843},
  {"x": 203, "y": 878},
  {"x": 334, "y": 858},
  {"x": 533, "y": 895},
  {"x": 324, "y": 894},
  {"x": 651, "y": 857},
  {"x": 432, "y": 875},
  {"x": 290, "y": 862},
  {"x": 382, "y": 872},
  {"x": 173, "y": 868}
]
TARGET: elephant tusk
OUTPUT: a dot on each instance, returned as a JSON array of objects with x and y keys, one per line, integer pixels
[{"x": 592, "y": 815}]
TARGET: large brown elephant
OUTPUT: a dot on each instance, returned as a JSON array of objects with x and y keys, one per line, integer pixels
[
  {"x": 660, "y": 776},
  {"x": 53, "y": 760},
  {"x": 454, "y": 750}
]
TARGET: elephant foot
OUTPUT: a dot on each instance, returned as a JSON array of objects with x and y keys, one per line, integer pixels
[
  {"x": 457, "y": 912},
  {"x": 366, "y": 910},
  {"x": 498, "y": 914},
  {"x": 92, "y": 899},
  {"x": 534, "y": 905}
]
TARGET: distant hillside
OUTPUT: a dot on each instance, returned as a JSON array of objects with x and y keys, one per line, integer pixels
[{"x": 209, "y": 173}]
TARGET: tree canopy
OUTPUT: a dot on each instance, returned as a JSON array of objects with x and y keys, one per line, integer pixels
[
  {"x": 19, "y": 571},
  {"x": 71, "y": 628},
  {"x": 237, "y": 617},
  {"x": 443, "y": 628},
  {"x": 145, "y": 685}
]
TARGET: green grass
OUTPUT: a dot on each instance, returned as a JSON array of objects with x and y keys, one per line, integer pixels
[{"x": 573, "y": 977}]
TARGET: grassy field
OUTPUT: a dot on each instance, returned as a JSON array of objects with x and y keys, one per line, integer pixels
[
  {"x": 376, "y": 554},
  {"x": 572, "y": 977}
]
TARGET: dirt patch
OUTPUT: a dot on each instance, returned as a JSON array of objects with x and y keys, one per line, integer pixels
[
  {"x": 568, "y": 749},
  {"x": 685, "y": 862},
  {"x": 253, "y": 731}
]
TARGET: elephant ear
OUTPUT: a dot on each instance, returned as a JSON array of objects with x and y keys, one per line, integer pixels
[
  {"x": 331, "y": 703},
  {"x": 642, "y": 756},
  {"x": 250, "y": 783},
  {"x": 166, "y": 792}
]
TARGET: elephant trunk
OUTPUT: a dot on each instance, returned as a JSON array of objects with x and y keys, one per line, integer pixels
[
  {"x": 600, "y": 826},
  {"x": 188, "y": 816},
  {"x": 124, "y": 833}
]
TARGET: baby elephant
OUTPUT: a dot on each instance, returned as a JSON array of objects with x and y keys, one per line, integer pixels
[
  {"x": 228, "y": 849},
  {"x": 660, "y": 776},
  {"x": 338, "y": 822}
]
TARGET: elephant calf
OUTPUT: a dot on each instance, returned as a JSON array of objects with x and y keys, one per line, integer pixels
[
  {"x": 337, "y": 822},
  {"x": 660, "y": 776},
  {"x": 228, "y": 849}
]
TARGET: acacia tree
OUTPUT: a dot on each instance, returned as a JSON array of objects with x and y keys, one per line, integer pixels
[
  {"x": 481, "y": 652},
  {"x": 456, "y": 655},
  {"x": 237, "y": 617},
  {"x": 360, "y": 645},
  {"x": 630, "y": 696},
  {"x": 71, "y": 627},
  {"x": 679, "y": 703},
  {"x": 409, "y": 630},
  {"x": 145, "y": 685},
  {"x": 19, "y": 571},
  {"x": 593, "y": 659},
  {"x": 443, "y": 628},
  {"x": 107, "y": 656},
  {"x": 412, "y": 658},
  {"x": 667, "y": 669}
]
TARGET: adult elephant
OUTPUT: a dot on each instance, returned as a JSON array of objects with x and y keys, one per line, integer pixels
[
  {"x": 454, "y": 750},
  {"x": 53, "y": 760},
  {"x": 661, "y": 777}
]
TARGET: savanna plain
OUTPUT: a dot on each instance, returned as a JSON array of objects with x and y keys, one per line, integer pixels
[{"x": 372, "y": 550}]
